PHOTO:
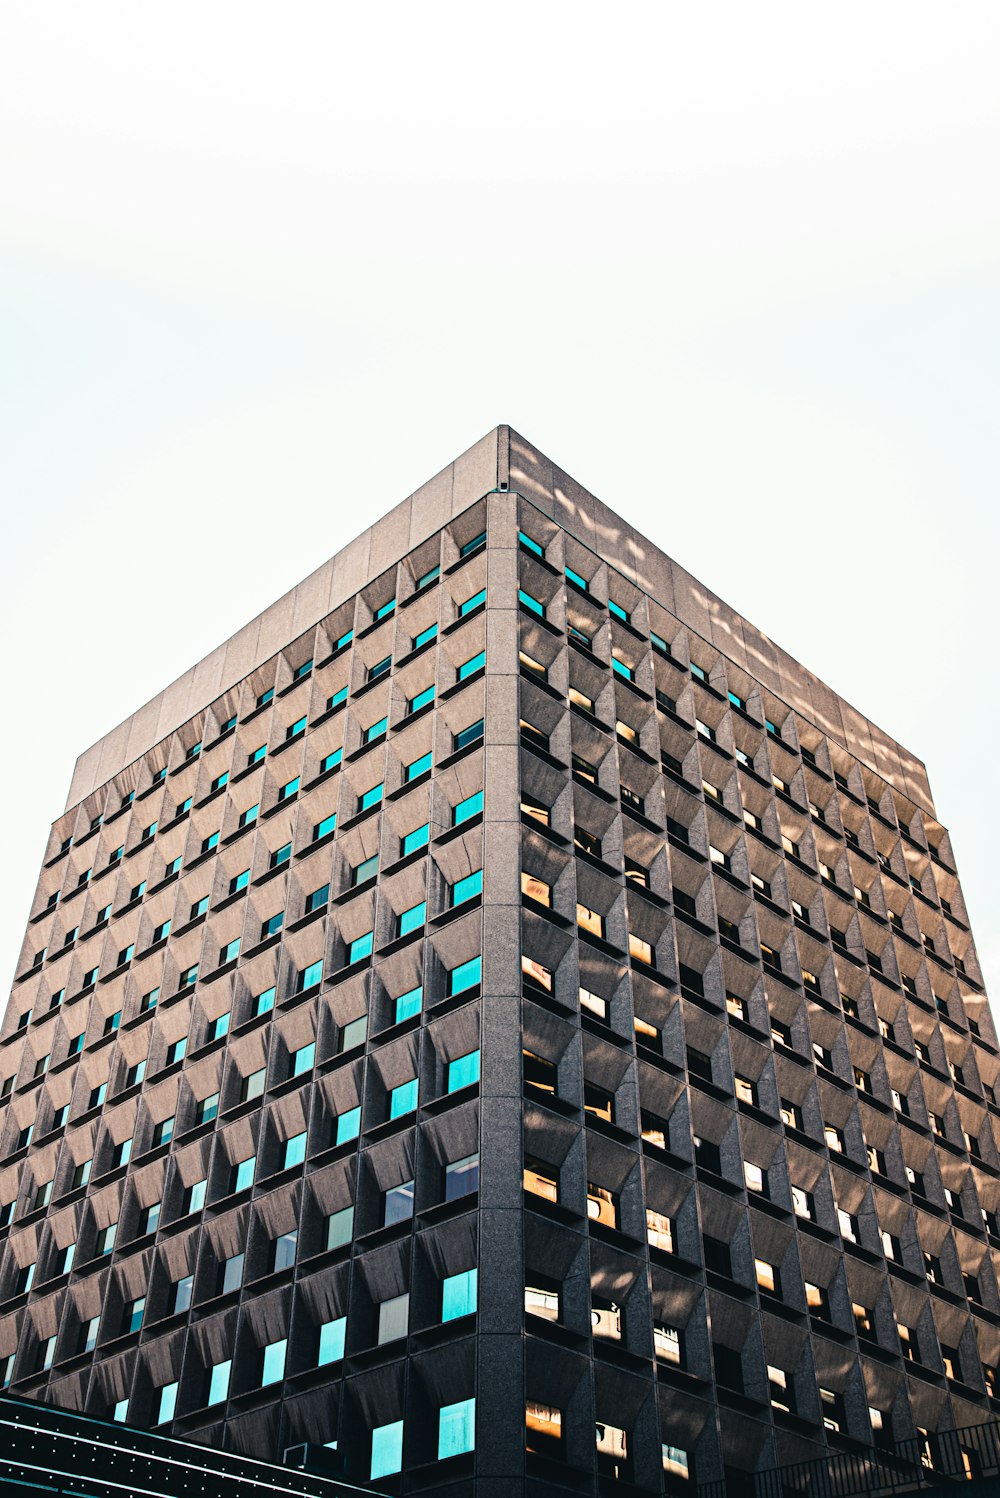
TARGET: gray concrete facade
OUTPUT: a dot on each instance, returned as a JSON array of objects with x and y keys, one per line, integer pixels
[{"x": 502, "y": 1024}]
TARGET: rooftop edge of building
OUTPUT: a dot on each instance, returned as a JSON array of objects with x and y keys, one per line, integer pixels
[{"x": 502, "y": 459}]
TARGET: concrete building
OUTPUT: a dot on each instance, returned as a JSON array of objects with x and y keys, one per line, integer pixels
[{"x": 502, "y": 1025}]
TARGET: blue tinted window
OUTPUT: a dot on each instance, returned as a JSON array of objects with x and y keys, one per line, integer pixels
[
  {"x": 580, "y": 582},
  {"x": 470, "y": 807},
  {"x": 332, "y": 1335},
  {"x": 466, "y": 975},
  {"x": 218, "y": 1388},
  {"x": 337, "y": 700},
  {"x": 457, "y": 1428},
  {"x": 310, "y": 976},
  {"x": 328, "y": 824},
  {"x": 463, "y": 1071},
  {"x": 428, "y": 578},
  {"x": 458, "y": 1294},
  {"x": 620, "y": 669},
  {"x": 418, "y": 838},
  {"x": 532, "y": 604},
  {"x": 467, "y": 888},
  {"x": 419, "y": 766},
  {"x": 371, "y": 797},
  {"x": 411, "y": 919},
  {"x": 424, "y": 635},
  {"x": 530, "y": 544},
  {"x": 403, "y": 1099},
  {"x": 361, "y": 947},
  {"x": 387, "y": 1449},
  {"x": 331, "y": 761},
  {"x": 409, "y": 1003},
  {"x": 295, "y": 1150},
  {"x": 376, "y": 730},
  {"x": 469, "y": 735},
  {"x": 386, "y": 609},
  {"x": 348, "y": 1125},
  {"x": 421, "y": 699},
  {"x": 473, "y": 664},
  {"x": 617, "y": 611},
  {"x": 471, "y": 603},
  {"x": 472, "y": 545}
]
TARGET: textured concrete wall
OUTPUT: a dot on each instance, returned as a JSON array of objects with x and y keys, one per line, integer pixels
[{"x": 500, "y": 459}]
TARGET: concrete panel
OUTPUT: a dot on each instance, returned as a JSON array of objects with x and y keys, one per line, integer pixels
[
  {"x": 475, "y": 473},
  {"x": 389, "y": 540}
]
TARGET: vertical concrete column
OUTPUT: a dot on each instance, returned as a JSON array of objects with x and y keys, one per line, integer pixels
[{"x": 500, "y": 1437}]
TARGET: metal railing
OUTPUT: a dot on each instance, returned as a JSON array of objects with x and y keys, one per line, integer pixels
[{"x": 942, "y": 1459}]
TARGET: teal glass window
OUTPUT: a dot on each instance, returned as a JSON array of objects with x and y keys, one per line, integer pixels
[
  {"x": 370, "y": 798},
  {"x": 199, "y": 907},
  {"x": 304, "y": 1059},
  {"x": 196, "y": 1195},
  {"x": 332, "y": 1337},
  {"x": 256, "y": 755},
  {"x": 273, "y": 1370},
  {"x": 337, "y": 700},
  {"x": 466, "y": 975},
  {"x": 303, "y": 670},
  {"x": 456, "y": 1429},
  {"x": 293, "y": 729},
  {"x": 136, "y": 1311},
  {"x": 531, "y": 604},
  {"x": 467, "y": 888},
  {"x": 218, "y": 1384},
  {"x": 577, "y": 580},
  {"x": 365, "y": 870},
  {"x": 147, "y": 833},
  {"x": 428, "y": 578},
  {"x": 210, "y": 842},
  {"x": 272, "y": 925},
  {"x": 463, "y": 1071},
  {"x": 295, "y": 1150},
  {"x": 230, "y": 951},
  {"x": 387, "y": 1450},
  {"x": 330, "y": 761},
  {"x": 458, "y": 1294},
  {"x": 422, "y": 699},
  {"x": 403, "y": 1099},
  {"x": 148, "y": 1000},
  {"x": 658, "y": 643},
  {"x": 166, "y": 1403},
  {"x": 698, "y": 672},
  {"x": 248, "y": 817},
  {"x": 229, "y": 724},
  {"x": 419, "y": 766},
  {"x": 348, "y": 1126},
  {"x": 183, "y": 1294},
  {"x": 325, "y": 827},
  {"x": 386, "y": 609},
  {"x": 217, "y": 784},
  {"x": 470, "y": 604},
  {"x": 340, "y": 1228},
  {"x": 530, "y": 544},
  {"x": 310, "y": 976},
  {"x": 470, "y": 807},
  {"x": 185, "y": 805},
  {"x": 379, "y": 668},
  {"x": 409, "y": 1003},
  {"x": 243, "y": 1173},
  {"x": 344, "y": 640},
  {"x": 164, "y": 1131},
  {"x": 412, "y": 919},
  {"x": 239, "y": 881},
  {"x": 207, "y": 1109},
  {"x": 736, "y": 700},
  {"x": 577, "y": 636},
  {"x": 616, "y": 610},
  {"x": 188, "y": 976},
  {"x": 425, "y": 636},
  {"x": 279, "y": 856},
  {"x": 361, "y": 947},
  {"x": 264, "y": 1002},
  {"x": 317, "y": 898},
  {"x": 219, "y": 1026},
  {"x": 120, "y": 1412},
  {"x": 376, "y": 730},
  {"x": 399, "y": 1203},
  {"x": 418, "y": 838},
  {"x": 265, "y": 697},
  {"x": 288, "y": 789},
  {"x": 620, "y": 669},
  {"x": 473, "y": 545},
  {"x": 472, "y": 665},
  {"x": 355, "y": 1032},
  {"x": 467, "y": 736}
]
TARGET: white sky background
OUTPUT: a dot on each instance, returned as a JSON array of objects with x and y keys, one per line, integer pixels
[{"x": 265, "y": 269}]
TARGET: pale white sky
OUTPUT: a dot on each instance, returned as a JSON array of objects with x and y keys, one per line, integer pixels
[{"x": 264, "y": 269}]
